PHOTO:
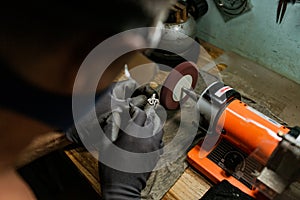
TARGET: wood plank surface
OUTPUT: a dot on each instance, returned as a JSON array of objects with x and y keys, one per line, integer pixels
[{"x": 191, "y": 185}]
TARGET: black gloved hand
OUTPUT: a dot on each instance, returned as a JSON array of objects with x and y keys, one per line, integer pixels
[
  {"x": 133, "y": 126},
  {"x": 124, "y": 133},
  {"x": 116, "y": 184}
]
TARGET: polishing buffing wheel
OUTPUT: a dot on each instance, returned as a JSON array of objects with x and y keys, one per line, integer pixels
[{"x": 184, "y": 75}]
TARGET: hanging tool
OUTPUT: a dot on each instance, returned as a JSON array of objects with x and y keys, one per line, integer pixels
[{"x": 281, "y": 9}]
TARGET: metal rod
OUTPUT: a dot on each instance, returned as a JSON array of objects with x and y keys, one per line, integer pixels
[{"x": 193, "y": 95}]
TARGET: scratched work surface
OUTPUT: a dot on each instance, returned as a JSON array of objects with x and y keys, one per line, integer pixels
[
  {"x": 268, "y": 92},
  {"x": 266, "y": 88}
]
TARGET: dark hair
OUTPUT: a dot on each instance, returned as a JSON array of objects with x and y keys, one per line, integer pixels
[{"x": 60, "y": 19}]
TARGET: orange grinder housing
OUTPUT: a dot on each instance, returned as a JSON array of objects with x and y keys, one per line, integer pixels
[
  {"x": 250, "y": 130},
  {"x": 251, "y": 133}
]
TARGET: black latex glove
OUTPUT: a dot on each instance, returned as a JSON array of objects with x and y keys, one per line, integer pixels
[
  {"x": 117, "y": 184},
  {"x": 120, "y": 92},
  {"x": 122, "y": 185},
  {"x": 119, "y": 121}
]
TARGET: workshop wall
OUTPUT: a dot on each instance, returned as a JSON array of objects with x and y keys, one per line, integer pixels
[{"x": 256, "y": 35}]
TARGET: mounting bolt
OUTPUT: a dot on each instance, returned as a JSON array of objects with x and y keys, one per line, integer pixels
[{"x": 280, "y": 134}]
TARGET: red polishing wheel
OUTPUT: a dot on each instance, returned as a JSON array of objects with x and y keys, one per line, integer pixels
[{"x": 184, "y": 75}]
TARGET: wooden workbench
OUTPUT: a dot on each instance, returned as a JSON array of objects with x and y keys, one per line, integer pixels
[{"x": 255, "y": 84}]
